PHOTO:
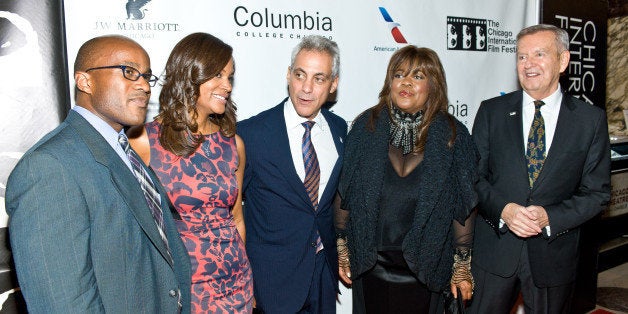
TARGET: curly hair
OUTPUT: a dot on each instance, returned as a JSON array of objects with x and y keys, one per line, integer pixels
[
  {"x": 417, "y": 59},
  {"x": 194, "y": 60}
]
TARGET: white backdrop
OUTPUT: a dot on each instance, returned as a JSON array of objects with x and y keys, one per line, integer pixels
[{"x": 480, "y": 62}]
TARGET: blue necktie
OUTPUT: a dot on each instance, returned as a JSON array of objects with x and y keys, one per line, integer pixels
[
  {"x": 310, "y": 161},
  {"x": 535, "y": 152},
  {"x": 153, "y": 199},
  {"x": 312, "y": 172}
]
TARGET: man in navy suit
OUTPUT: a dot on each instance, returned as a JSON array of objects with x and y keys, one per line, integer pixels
[
  {"x": 83, "y": 236},
  {"x": 544, "y": 171},
  {"x": 290, "y": 234}
]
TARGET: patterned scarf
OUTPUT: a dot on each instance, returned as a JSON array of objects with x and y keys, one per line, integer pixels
[{"x": 403, "y": 130}]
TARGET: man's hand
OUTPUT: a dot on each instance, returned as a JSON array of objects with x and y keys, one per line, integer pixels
[
  {"x": 543, "y": 220},
  {"x": 521, "y": 221}
]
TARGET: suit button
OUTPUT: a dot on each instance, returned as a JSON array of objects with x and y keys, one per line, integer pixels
[
  {"x": 172, "y": 293},
  {"x": 313, "y": 244}
]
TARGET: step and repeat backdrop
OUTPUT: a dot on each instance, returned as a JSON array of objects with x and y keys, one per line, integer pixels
[
  {"x": 476, "y": 41},
  {"x": 39, "y": 40}
]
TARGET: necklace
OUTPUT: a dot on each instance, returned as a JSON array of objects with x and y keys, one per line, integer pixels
[{"x": 403, "y": 130}]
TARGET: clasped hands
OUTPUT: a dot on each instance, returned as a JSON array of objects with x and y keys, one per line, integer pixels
[{"x": 525, "y": 221}]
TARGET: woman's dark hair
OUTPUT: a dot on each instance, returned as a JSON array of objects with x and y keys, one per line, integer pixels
[
  {"x": 414, "y": 60},
  {"x": 195, "y": 59}
]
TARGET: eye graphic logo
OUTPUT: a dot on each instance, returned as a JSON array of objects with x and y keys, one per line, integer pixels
[
  {"x": 465, "y": 33},
  {"x": 394, "y": 30}
]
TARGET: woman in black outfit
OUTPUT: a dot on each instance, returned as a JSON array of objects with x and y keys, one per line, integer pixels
[{"x": 405, "y": 226}]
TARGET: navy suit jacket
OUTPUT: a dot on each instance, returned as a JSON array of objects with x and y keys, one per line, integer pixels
[
  {"x": 82, "y": 235},
  {"x": 280, "y": 220},
  {"x": 573, "y": 186}
]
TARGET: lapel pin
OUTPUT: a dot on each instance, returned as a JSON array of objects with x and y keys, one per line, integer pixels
[{"x": 512, "y": 113}]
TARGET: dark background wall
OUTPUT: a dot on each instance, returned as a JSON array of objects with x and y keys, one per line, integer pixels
[{"x": 33, "y": 100}]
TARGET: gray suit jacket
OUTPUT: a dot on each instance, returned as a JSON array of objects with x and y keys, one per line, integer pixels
[
  {"x": 82, "y": 235},
  {"x": 573, "y": 186}
]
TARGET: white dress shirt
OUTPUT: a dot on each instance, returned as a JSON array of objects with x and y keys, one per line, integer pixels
[
  {"x": 110, "y": 135},
  {"x": 322, "y": 140},
  {"x": 549, "y": 111}
]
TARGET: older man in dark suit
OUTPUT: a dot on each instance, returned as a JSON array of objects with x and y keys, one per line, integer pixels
[
  {"x": 544, "y": 171},
  {"x": 90, "y": 228}
]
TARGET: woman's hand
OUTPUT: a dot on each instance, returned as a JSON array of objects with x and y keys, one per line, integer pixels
[
  {"x": 345, "y": 274},
  {"x": 461, "y": 276},
  {"x": 344, "y": 269},
  {"x": 466, "y": 289}
]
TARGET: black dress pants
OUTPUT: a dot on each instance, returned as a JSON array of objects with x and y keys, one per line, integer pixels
[{"x": 391, "y": 287}]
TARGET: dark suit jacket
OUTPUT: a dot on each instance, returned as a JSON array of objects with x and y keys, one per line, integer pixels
[
  {"x": 280, "y": 220},
  {"x": 573, "y": 186},
  {"x": 82, "y": 235}
]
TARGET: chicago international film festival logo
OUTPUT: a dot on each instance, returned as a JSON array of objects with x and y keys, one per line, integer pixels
[
  {"x": 394, "y": 27},
  {"x": 466, "y": 34}
]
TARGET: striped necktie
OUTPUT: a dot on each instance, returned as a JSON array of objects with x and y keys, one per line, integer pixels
[
  {"x": 153, "y": 199},
  {"x": 312, "y": 172},
  {"x": 535, "y": 153},
  {"x": 310, "y": 161}
]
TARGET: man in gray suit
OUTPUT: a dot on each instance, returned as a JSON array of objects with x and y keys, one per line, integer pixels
[{"x": 84, "y": 233}]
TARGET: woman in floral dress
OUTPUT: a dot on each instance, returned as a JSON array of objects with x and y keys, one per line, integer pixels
[{"x": 192, "y": 147}]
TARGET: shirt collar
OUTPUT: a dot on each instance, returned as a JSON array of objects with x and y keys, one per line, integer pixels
[
  {"x": 293, "y": 120},
  {"x": 552, "y": 102},
  {"x": 110, "y": 135}
]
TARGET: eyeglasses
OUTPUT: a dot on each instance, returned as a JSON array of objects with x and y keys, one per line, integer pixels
[{"x": 130, "y": 73}]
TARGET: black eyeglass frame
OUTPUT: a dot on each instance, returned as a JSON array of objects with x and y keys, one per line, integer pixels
[{"x": 149, "y": 77}]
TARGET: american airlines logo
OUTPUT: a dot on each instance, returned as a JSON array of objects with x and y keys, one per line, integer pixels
[{"x": 394, "y": 27}]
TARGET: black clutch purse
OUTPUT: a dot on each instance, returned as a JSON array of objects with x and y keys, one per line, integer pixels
[{"x": 453, "y": 305}]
